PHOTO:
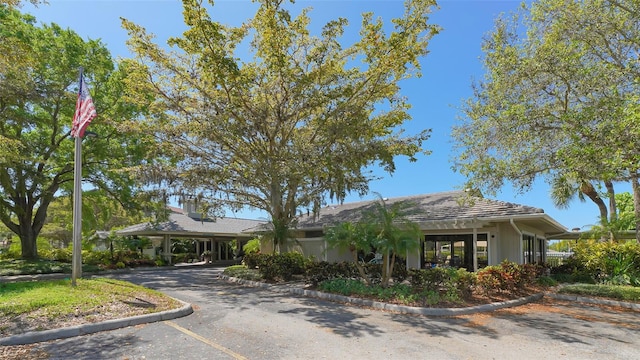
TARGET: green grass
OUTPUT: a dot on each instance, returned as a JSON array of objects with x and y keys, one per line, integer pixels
[
  {"x": 614, "y": 292},
  {"x": 41, "y": 266},
  {"x": 242, "y": 272},
  {"x": 58, "y": 298}
]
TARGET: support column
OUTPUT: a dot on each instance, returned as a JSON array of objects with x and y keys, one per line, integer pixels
[
  {"x": 167, "y": 249},
  {"x": 475, "y": 249}
]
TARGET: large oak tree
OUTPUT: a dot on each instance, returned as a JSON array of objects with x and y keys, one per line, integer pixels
[
  {"x": 38, "y": 90},
  {"x": 302, "y": 120},
  {"x": 558, "y": 101}
]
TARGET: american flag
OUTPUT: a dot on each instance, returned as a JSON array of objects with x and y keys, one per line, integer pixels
[{"x": 85, "y": 111}]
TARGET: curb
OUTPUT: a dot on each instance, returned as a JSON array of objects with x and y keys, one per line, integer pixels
[
  {"x": 403, "y": 309},
  {"x": 84, "y": 329},
  {"x": 588, "y": 300}
]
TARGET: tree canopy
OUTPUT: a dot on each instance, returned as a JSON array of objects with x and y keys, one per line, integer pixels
[
  {"x": 38, "y": 90},
  {"x": 300, "y": 121},
  {"x": 559, "y": 100}
]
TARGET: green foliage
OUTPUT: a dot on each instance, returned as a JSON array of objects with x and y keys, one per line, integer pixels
[
  {"x": 385, "y": 228},
  {"x": 508, "y": 277},
  {"x": 38, "y": 90},
  {"x": 454, "y": 283},
  {"x": 296, "y": 118},
  {"x": 554, "y": 78},
  {"x": 547, "y": 281},
  {"x": 160, "y": 262},
  {"x": 97, "y": 257},
  {"x": 13, "y": 252},
  {"x": 277, "y": 266},
  {"x": 428, "y": 278},
  {"x": 252, "y": 246},
  {"x": 251, "y": 260},
  {"x": 623, "y": 293},
  {"x": 242, "y": 272},
  {"x": 59, "y": 300},
  {"x": 32, "y": 267},
  {"x": 317, "y": 272},
  {"x": 62, "y": 255},
  {"x": 396, "y": 293},
  {"x": 610, "y": 262}
]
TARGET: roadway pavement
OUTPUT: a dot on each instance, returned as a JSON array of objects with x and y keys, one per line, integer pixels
[{"x": 249, "y": 321}]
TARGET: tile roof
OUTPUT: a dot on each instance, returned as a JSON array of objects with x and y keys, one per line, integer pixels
[
  {"x": 181, "y": 224},
  {"x": 442, "y": 206}
]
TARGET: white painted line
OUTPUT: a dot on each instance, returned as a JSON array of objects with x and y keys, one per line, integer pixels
[{"x": 206, "y": 341}]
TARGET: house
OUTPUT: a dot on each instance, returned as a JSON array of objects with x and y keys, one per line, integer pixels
[
  {"x": 458, "y": 229},
  {"x": 214, "y": 235}
]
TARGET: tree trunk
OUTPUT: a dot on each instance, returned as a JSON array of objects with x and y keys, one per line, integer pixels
[
  {"x": 360, "y": 268},
  {"x": 636, "y": 202},
  {"x": 28, "y": 240},
  {"x": 613, "y": 211},
  {"x": 588, "y": 189}
]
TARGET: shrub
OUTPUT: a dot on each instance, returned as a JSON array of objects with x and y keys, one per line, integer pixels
[
  {"x": 400, "y": 272},
  {"x": 64, "y": 255},
  {"x": 251, "y": 247},
  {"x": 465, "y": 282},
  {"x": 277, "y": 266},
  {"x": 610, "y": 262},
  {"x": 489, "y": 279},
  {"x": 428, "y": 279},
  {"x": 546, "y": 281},
  {"x": 452, "y": 284},
  {"x": 508, "y": 277},
  {"x": 120, "y": 265},
  {"x": 251, "y": 260},
  {"x": 317, "y": 272},
  {"x": 96, "y": 257}
]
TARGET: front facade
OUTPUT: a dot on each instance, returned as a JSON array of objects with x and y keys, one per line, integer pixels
[
  {"x": 215, "y": 236},
  {"x": 458, "y": 230}
]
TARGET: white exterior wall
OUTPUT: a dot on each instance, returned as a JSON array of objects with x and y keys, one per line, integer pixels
[
  {"x": 508, "y": 244},
  {"x": 413, "y": 260},
  {"x": 312, "y": 247}
]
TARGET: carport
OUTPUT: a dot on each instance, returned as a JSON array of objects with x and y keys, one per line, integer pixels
[{"x": 213, "y": 235}]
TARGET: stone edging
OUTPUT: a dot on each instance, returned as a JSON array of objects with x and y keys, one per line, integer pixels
[
  {"x": 595, "y": 301},
  {"x": 84, "y": 329},
  {"x": 392, "y": 307}
]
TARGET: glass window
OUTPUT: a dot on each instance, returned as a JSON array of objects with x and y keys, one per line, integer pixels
[{"x": 454, "y": 251}]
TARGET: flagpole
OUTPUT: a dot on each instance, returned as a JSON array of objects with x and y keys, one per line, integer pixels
[{"x": 76, "y": 269}]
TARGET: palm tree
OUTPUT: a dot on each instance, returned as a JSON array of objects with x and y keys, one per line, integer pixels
[
  {"x": 352, "y": 237},
  {"x": 393, "y": 233},
  {"x": 386, "y": 228}
]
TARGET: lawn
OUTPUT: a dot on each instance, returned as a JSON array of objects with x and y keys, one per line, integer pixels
[
  {"x": 613, "y": 292},
  {"x": 41, "y": 266},
  {"x": 42, "y": 305}
]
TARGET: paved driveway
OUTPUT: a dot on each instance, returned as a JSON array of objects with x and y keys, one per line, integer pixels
[{"x": 231, "y": 321}]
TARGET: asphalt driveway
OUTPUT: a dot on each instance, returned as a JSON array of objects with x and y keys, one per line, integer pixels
[{"x": 232, "y": 321}]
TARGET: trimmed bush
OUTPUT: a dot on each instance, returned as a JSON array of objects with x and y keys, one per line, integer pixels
[
  {"x": 452, "y": 284},
  {"x": 251, "y": 260},
  {"x": 277, "y": 266},
  {"x": 317, "y": 272},
  {"x": 508, "y": 277}
]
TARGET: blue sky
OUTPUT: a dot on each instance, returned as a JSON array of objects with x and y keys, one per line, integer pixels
[{"x": 448, "y": 71}]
